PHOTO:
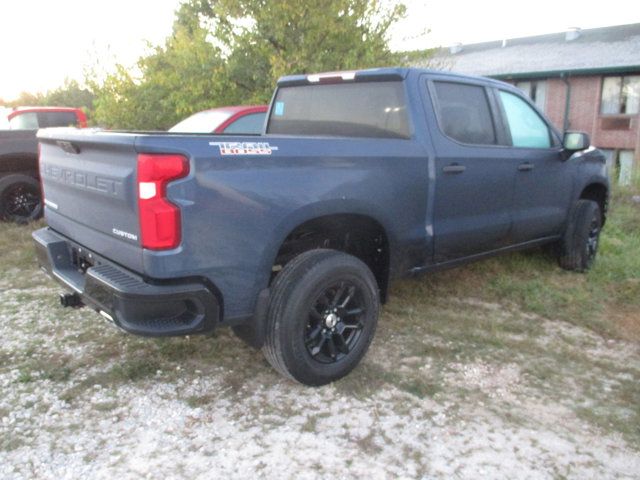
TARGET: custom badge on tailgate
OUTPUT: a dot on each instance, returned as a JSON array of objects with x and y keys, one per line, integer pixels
[{"x": 244, "y": 148}]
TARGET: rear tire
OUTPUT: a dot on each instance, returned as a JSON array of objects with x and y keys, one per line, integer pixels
[
  {"x": 20, "y": 199},
  {"x": 322, "y": 316},
  {"x": 579, "y": 245}
]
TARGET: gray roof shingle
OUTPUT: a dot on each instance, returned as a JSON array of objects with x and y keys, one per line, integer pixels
[{"x": 614, "y": 49}]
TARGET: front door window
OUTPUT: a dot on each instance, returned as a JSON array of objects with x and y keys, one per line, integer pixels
[{"x": 525, "y": 125}]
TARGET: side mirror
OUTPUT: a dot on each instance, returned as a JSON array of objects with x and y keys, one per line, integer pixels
[{"x": 574, "y": 141}]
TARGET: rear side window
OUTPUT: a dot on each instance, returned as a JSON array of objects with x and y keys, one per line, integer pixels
[
  {"x": 57, "y": 119},
  {"x": 526, "y": 127},
  {"x": 248, "y": 124},
  {"x": 202, "y": 122},
  {"x": 364, "y": 109},
  {"x": 464, "y": 114}
]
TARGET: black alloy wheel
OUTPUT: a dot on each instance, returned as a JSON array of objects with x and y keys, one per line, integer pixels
[
  {"x": 592, "y": 240},
  {"x": 20, "y": 199},
  {"x": 322, "y": 316},
  {"x": 579, "y": 245},
  {"x": 334, "y": 326}
]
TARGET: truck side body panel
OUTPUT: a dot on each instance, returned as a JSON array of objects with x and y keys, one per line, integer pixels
[{"x": 236, "y": 210}]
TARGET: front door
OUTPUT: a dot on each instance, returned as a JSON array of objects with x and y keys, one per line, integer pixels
[{"x": 543, "y": 176}]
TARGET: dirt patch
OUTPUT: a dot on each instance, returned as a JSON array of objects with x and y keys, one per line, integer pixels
[{"x": 628, "y": 320}]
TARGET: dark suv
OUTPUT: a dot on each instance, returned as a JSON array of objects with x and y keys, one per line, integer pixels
[{"x": 19, "y": 187}]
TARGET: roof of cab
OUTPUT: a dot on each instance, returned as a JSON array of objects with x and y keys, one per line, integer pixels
[
  {"x": 371, "y": 74},
  {"x": 20, "y": 110}
]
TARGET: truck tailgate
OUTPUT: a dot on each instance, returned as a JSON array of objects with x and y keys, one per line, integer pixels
[{"x": 89, "y": 186}]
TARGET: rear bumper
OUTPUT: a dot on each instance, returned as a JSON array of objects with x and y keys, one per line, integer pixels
[{"x": 131, "y": 302}]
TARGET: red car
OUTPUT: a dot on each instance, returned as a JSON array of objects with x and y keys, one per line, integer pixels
[
  {"x": 33, "y": 118},
  {"x": 238, "y": 120}
]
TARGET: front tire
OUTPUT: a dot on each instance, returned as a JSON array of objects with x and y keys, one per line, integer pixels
[
  {"x": 579, "y": 245},
  {"x": 20, "y": 199},
  {"x": 322, "y": 316}
]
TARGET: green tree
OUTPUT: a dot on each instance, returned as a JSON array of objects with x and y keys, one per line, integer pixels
[
  {"x": 27, "y": 99},
  {"x": 175, "y": 81},
  {"x": 226, "y": 52},
  {"x": 71, "y": 94},
  {"x": 271, "y": 38}
]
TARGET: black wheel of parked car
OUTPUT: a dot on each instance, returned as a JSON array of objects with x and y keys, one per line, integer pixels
[
  {"x": 20, "y": 199},
  {"x": 579, "y": 245},
  {"x": 322, "y": 316}
]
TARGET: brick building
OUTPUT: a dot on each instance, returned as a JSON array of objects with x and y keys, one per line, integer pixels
[{"x": 585, "y": 80}]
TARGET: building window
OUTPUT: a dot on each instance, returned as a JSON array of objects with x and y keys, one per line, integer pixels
[
  {"x": 536, "y": 90},
  {"x": 619, "y": 165},
  {"x": 620, "y": 95},
  {"x": 625, "y": 167},
  {"x": 610, "y": 155}
]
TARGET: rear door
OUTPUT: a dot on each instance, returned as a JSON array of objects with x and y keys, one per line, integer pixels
[
  {"x": 474, "y": 174},
  {"x": 543, "y": 176}
]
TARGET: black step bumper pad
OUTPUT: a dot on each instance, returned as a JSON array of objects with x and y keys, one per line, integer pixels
[{"x": 135, "y": 305}]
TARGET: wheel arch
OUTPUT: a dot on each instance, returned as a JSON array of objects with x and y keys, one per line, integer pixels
[
  {"x": 336, "y": 219},
  {"x": 25, "y": 164},
  {"x": 598, "y": 192},
  {"x": 252, "y": 331}
]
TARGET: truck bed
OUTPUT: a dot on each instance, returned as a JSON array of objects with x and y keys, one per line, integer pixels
[{"x": 241, "y": 198}]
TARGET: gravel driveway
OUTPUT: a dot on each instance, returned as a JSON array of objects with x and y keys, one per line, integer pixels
[{"x": 450, "y": 388}]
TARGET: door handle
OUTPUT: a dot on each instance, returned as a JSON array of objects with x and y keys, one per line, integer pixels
[
  {"x": 454, "y": 168},
  {"x": 526, "y": 167}
]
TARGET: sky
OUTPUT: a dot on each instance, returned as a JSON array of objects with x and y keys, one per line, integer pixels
[{"x": 42, "y": 42}]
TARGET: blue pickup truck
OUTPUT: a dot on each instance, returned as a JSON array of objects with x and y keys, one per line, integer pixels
[{"x": 292, "y": 237}]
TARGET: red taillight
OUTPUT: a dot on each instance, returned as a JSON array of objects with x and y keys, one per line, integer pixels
[{"x": 159, "y": 218}]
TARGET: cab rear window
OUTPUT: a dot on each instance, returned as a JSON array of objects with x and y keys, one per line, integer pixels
[
  {"x": 57, "y": 119},
  {"x": 36, "y": 120},
  {"x": 364, "y": 109},
  {"x": 24, "y": 121}
]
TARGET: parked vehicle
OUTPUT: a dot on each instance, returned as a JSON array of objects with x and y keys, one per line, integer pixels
[
  {"x": 293, "y": 237},
  {"x": 240, "y": 120},
  {"x": 19, "y": 180},
  {"x": 4, "y": 121}
]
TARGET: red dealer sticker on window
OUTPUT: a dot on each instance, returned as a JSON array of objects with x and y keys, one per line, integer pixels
[{"x": 244, "y": 148}]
